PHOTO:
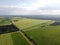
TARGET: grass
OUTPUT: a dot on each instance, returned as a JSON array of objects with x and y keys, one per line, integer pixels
[
  {"x": 48, "y": 35},
  {"x": 11, "y": 38},
  {"x": 26, "y": 23},
  {"x": 40, "y": 31},
  {"x": 18, "y": 39},
  {"x": 5, "y": 39}
]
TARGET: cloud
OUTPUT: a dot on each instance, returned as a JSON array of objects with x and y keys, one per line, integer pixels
[
  {"x": 13, "y": 10},
  {"x": 35, "y": 8},
  {"x": 16, "y": 10},
  {"x": 55, "y": 6}
]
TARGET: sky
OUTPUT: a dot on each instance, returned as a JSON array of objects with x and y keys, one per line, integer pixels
[{"x": 29, "y": 7}]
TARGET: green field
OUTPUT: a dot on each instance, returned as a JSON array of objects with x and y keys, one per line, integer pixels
[
  {"x": 48, "y": 35},
  {"x": 18, "y": 39},
  {"x": 41, "y": 31},
  {"x": 26, "y": 23},
  {"x": 5, "y": 39},
  {"x": 14, "y": 38}
]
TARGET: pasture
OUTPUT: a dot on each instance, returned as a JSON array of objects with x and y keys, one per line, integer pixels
[{"x": 42, "y": 32}]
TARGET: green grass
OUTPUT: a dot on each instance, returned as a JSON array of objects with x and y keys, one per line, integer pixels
[
  {"x": 11, "y": 38},
  {"x": 5, "y": 39},
  {"x": 40, "y": 31},
  {"x": 18, "y": 39},
  {"x": 48, "y": 35},
  {"x": 26, "y": 23}
]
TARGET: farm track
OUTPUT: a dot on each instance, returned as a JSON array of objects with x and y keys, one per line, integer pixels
[
  {"x": 27, "y": 23},
  {"x": 30, "y": 41}
]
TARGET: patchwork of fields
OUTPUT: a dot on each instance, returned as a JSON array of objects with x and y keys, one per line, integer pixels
[
  {"x": 12, "y": 38},
  {"x": 42, "y": 32}
]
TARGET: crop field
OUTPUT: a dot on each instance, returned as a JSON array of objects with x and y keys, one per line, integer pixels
[{"x": 42, "y": 32}]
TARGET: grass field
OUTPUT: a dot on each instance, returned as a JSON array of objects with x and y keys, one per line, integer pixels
[
  {"x": 26, "y": 23},
  {"x": 46, "y": 35},
  {"x": 40, "y": 31},
  {"x": 14, "y": 38},
  {"x": 5, "y": 39},
  {"x": 18, "y": 39}
]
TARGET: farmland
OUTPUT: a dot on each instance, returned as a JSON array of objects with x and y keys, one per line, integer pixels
[
  {"x": 42, "y": 32},
  {"x": 26, "y": 23},
  {"x": 10, "y": 35},
  {"x": 12, "y": 39}
]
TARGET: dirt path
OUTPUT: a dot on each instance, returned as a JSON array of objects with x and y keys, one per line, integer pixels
[{"x": 29, "y": 40}]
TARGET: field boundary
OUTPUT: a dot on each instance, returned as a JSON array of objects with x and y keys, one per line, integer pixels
[{"x": 30, "y": 41}]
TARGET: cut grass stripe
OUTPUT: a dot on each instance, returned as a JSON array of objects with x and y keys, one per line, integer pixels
[{"x": 18, "y": 39}]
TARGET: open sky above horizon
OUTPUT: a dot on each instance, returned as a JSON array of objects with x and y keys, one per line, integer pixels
[{"x": 29, "y": 7}]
